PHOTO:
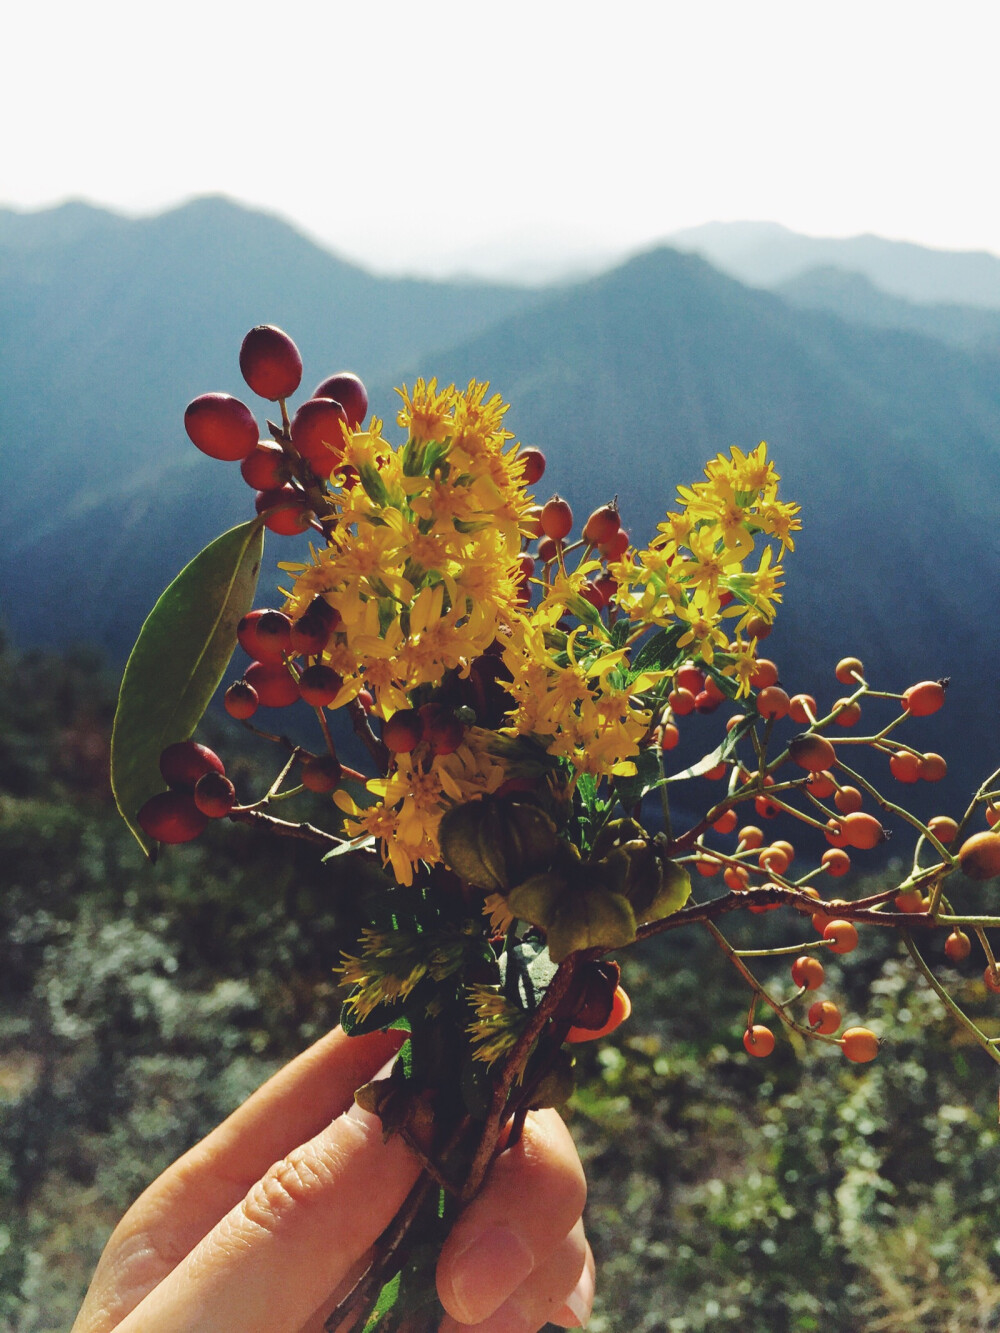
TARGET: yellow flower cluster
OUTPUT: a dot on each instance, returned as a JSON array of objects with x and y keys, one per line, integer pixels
[
  {"x": 693, "y": 572},
  {"x": 422, "y": 564},
  {"x": 421, "y": 555}
]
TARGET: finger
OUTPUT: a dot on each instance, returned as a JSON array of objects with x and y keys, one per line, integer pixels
[
  {"x": 560, "y": 1290},
  {"x": 184, "y": 1203},
  {"x": 275, "y": 1257},
  {"x": 498, "y": 1241}
]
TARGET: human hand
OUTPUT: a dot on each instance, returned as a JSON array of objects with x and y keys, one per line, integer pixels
[{"x": 262, "y": 1226}]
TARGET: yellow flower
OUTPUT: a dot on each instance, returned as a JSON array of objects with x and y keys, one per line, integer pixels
[{"x": 428, "y": 415}]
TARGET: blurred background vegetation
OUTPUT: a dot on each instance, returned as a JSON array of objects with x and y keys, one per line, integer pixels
[{"x": 139, "y": 1004}]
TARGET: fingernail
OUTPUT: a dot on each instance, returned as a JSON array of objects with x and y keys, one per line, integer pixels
[
  {"x": 487, "y": 1271},
  {"x": 580, "y": 1301}
]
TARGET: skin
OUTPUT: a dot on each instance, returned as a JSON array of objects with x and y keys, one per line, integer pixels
[{"x": 266, "y": 1222}]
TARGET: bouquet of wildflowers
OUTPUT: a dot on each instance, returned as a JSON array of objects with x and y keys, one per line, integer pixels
[{"x": 518, "y": 685}]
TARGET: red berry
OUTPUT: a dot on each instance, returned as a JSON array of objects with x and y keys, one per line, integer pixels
[
  {"x": 772, "y": 702},
  {"x": 979, "y": 856},
  {"x": 556, "y": 519},
  {"x": 689, "y": 677},
  {"x": 821, "y": 785},
  {"x": 808, "y": 972},
  {"x": 322, "y": 773},
  {"x": 765, "y": 673},
  {"x": 172, "y": 816},
  {"x": 273, "y": 683},
  {"x": 813, "y": 753},
  {"x": 847, "y": 713},
  {"x": 933, "y": 767},
  {"x": 187, "y": 761},
  {"x": 843, "y": 935},
  {"x": 241, "y": 700},
  {"x": 621, "y": 1008},
  {"x": 758, "y": 1040},
  {"x": 214, "y": 795},
  {"x": 602, "y": 525},
  {"x": 533, "y": 462},
  {"x": 824, "y": 1017},
  {"x": 615, "y": 547},
  {"x": 992, "y": 980},
  {"x": 221, "y": 426},
  {"x": 265, "y": 634},
  {"x": 957, "y": 946},
  {"x": 318, "y": 433},
  {"x": 847, "y": 800},
  {"x": 669, "y": 738},
  {"x": 284, "y": 511},
  {"x": 925, "y": 698},
  {"x": 403, "y": 732},
  {"x": 681, "y": 701},
  {"x": 270, "y": 362},
  {"x": 265, "y": 468},
  {"x": 904, "y": 766},
  {"x": 548, "y": 550},
  {"x": 319, "y": 685},
  {"x": 802, "y": 708},
  {"x": 848, "y": 669},
  {"x": 859, "y": 1045},
  {"x": 347, "y": 390},
  {"x": 441, "y": 728}
]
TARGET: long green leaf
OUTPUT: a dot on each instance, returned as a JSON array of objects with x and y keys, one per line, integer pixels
[{"x": 178, "y": 661}]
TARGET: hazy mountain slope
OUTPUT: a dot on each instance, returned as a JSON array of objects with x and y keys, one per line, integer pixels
[
  {"x": 765, "y": 254},
  {"x": 109, "y": 327},
  {"x": 854, "y": 298}
]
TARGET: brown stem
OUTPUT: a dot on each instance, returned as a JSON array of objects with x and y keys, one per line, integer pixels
[
  {"x": 283, "y": 827},
  {"x": 363, "y": 730}
]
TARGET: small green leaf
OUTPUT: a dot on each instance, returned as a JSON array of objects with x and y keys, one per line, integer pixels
[
  {"x": 648, "y": 776},
  {"x": 658, "y": 652},
  {"x": 178, "y": 661},
  {"x": 591, "y": 919}
]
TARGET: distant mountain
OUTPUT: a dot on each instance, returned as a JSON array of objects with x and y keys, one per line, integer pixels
[
  {"x": 856, "y": 299},
  {"x": 766, "y": 254},
  {"x": 890, "y": 440}
]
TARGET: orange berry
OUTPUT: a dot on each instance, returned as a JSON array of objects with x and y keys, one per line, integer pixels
[
  {"x": 957, "y": 946},
  {"x": 979, "y": 856},
  {"x": 847, "y": 713},
  {"x": 821, "y": 785},
  {"x": 758, "y": 1040},
  {"x": 848, "y": 669},
  {"x": 859, "y": 1045},
  {"x": 266, "y": 635},
  {"x": 669, "y": 736},
  {"x": 932, "y": 767},
  {"x": 843, "y": 936},
  {"x": 273, "y": 683},
  {"x": 681, "y": 701},
  {"x": 992, "y": 815},
  {"x": 556, "y": 519},
  {"x": 713, "y": 691},
  {"x": 802, "y": 708},
  {"x": 824, "y": 1017},
  {"x": 835, "y": 862},
  {"x": 707, "y": 866},
  {"x": 751, "y": 837},
  {"x": 736, "y": 878},
  {"x": 690, "y": 677},
  {"x": 621, "y": 1008},
  {"x": 775, "y": 860},
  {"x": 764, "y": 673},
  {"x": 772, "y": 702},
  {"x": 813, "y": 753},
  {"x": 758, "y": 628},
  {"x": 808, "y": 972},
  {"x": 904, "y": 766},
  {"x": 925, "y": 698},
  {"x": 835, "y": 834},
  {"x": 716, "y": 773},
  {"x": 726, "y": 822},
  {"x": 847, "y": 800},
  {"x": 991, "y": 978},
  {"x": 862, "y": 831},
  {"x": 943, "y": 827},
  {"x": 912, "y": 901}
]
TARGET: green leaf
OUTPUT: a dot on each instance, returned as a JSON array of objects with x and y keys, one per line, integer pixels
[
  {"x": 647, "y": 778},
  {"x": 716, "y": 756},
  {"x": 591, "y": 919},
  {"x": 178, "y": 661},
  {"x": 658, "y": 652}
]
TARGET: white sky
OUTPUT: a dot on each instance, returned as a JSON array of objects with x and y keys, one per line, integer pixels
[{"x": 422, "y": 135}]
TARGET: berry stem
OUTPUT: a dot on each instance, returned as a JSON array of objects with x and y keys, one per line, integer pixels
[
  {"x": 243, "y": 814},
  {"x": 957, "y": 1013}
]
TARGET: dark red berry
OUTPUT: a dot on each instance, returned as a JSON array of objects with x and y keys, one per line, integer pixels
[
  {"x": 221, "y": 426},
  {"x": 187, "y": 761},
  {"x": 442, "y": 730},
  {"x": 311, "y": 632},
  {"x": 322, "y": 773},
  {"x": 172, "y": 816},
  {"x": 403, "y": 732},
  {"x": 319, "y": 685},
  {"x": 317, "y": 434},
  {"x": 556, "y": 519},
  {"x": 241, "y": 700},
  {"x": 214, "y": 795},
  {"x": 533, "y": 461},
  {"x": 273, "y": 683},
  {"x": 347, "y": 390},
  {"x": 270, "y": 362},
  {"x": 602, "y": 525},
  {"x": 266, "y": 468},
  {"x": 265, "y": 635},
  {"x": 284, "y": 511}
]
